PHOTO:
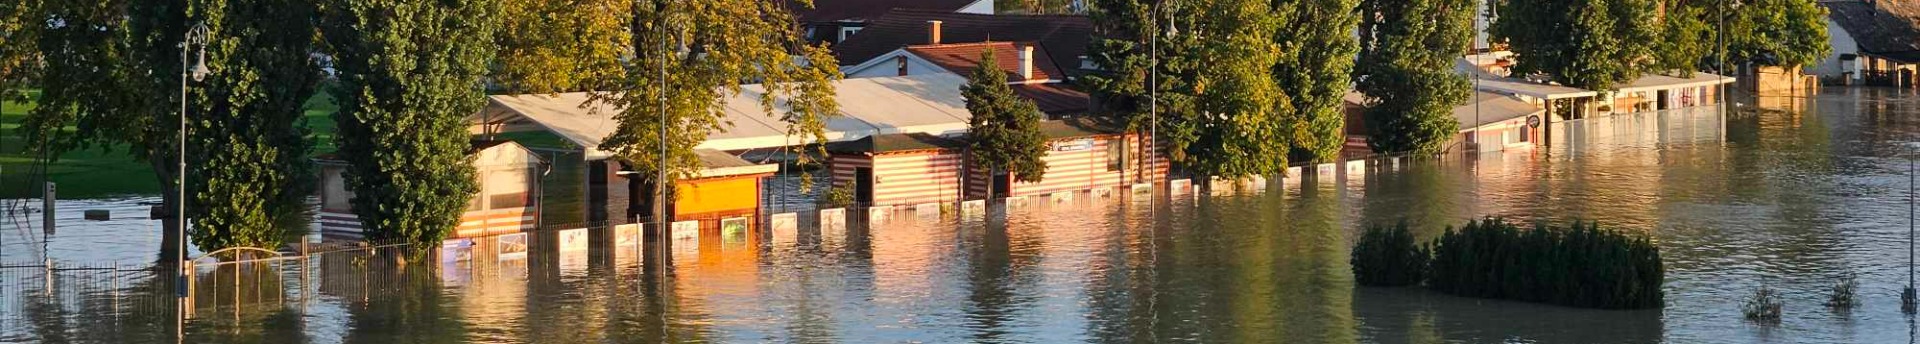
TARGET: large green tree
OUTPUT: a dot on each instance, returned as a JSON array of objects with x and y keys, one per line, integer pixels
[
  {"x": 410, "y": 71},
  {"x": 248, "y": 146},
  {"x": 1768, "y": 32},
  {"x": 1407, "y": 66},
  {"x": 1230, "y": 118},
  {"x": 710, "y": 50},
  {"x": 112, "y": 80},
  {"x": 1317, "y": 73},
  {"x": 1686, "y": 38},
  {"x": 1591, "y": 44},
  {"x": 1004, "y": 130}
]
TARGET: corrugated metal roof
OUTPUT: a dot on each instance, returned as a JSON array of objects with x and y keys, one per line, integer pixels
[
  {"x": 1889, "y": 29},
  {"x": 907, "y": 104},
  {"x": 1656, "y": 81},
  {"x": 1492, "y": 108}
]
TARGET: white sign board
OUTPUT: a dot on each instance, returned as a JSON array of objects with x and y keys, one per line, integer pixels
[{"x": 785, "y": 228}]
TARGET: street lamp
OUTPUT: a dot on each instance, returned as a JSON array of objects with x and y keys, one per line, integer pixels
[
  {"x": 195, "y": 40},
  {"x": 1153, "y": 94}
]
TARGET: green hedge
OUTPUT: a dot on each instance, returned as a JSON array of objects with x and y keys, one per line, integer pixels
[
  {"x": 1581, "y": 266},
  {"x": 1389, "y": 256}
]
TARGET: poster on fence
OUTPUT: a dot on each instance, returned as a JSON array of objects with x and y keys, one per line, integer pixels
[
  {"x": 786, "y": 228},
  {"x": 513, "y": 247},
  {"x": 833, "y": 226},
  {"x": 733, "y": 233},
  {"x": 686, "y": 241},
  {"x": 455, "y": 258},
  {"x": 626, "y": 235},
  {"x": 573, "y": 240}
]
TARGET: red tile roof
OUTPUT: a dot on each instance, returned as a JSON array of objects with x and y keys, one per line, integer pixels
[
  {"x": 855, "y": 10},
  {"x": 963, "y": 58},
  {"x": 1065, "y": 36},
  {"x": 1056, "y": 100}
]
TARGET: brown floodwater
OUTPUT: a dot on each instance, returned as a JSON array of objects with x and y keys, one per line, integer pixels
[{"x": 1793, "y": 198}]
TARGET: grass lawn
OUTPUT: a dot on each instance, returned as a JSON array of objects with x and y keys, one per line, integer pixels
[{"x": 102, "y": 173}]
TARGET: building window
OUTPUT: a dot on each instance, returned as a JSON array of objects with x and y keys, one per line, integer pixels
[{"x": 1116, "y": 154}]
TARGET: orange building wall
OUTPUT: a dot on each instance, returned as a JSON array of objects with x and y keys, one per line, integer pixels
[{"x": 717, "y": 195}]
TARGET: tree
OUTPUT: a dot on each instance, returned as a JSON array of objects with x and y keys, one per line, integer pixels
[
  {"x": 1774, "y": 32},
  {"x": 248, "y": 146},
  {"x": 561, "y": 46},
  {"x": 1591, "y": 44},
  {"x": 1005, "y": 128},
  {"x": 1316, "y": 76},
  {"x": 710, "y": 50},
  {"x": 20, "y": 25},
  {"x": 410, "y": 73},
  {"x": 112, "y": 73},
  {"x": 1685, "y": 40},
  {"x": 1237, "y": 124},
  {"x": 1407, "y": 62}
]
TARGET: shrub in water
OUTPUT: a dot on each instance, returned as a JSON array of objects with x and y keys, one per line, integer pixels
[
  {"x": 1388, "y": 256},
  {"x": 1581, "y": 266},
  {"x": 1842, "y": 298},
  {"x": 1763, "y": 306}
]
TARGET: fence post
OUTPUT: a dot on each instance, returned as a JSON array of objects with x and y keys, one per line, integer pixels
[{"x": 46, "y": 219}]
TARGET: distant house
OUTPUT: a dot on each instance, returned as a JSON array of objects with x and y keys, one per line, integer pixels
[
  {"x": 1488, "y": 122},
  {"x": 509, "y": 176},
  {"x": 899, "y": 169},
  {"x": 1082, "y": 154},
  {"x": 1064, "y": 37},
  {"x": 1032, "y": 73},
  {"x": 1874, "y": 43},
  {"x": 833, "y": 21}
]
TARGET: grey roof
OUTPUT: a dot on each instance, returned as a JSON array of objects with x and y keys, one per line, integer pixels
[
  {"x": 1516, "y": 86},
  {"x": 1657, "y": 82},
  {"x": 1493, "y": 108}
]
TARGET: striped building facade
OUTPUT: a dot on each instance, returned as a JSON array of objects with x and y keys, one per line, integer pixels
[
  {"x": 506, "y": 202},
  {"x": 900, "y": 169},
  {"x": 1078, "y": 163}
]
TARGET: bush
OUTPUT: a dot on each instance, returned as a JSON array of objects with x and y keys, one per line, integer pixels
[
  {"x": 1582, "y": 266},
  {"x": 1389, "y": 256},
  {"x": 1842, "y": 297},
  {"x": 1763, "y": 306},
  {"x": 838, "y": 197}
]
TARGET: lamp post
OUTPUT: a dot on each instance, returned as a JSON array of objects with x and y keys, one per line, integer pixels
[
  {"x": 1908, "y": 295},
  {"x": 1153, "y": 105},
  {"x": 196, "y": 69}
]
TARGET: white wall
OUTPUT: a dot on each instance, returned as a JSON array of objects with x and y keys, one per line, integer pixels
[
  {"x": 1843, "y": 43},
  {"x": 887, "y": 67}
]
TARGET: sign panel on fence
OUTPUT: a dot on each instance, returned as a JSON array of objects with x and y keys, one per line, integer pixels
[
  {"x": 626, "y": 235},
  {"x": 512, "y": 246},
  {"x": 1179, "y": 186},
  {"x": 573, "y": 240},
  {"x": 973, "y": 207},
  {"x": 785, "y": 228},
  {"x": 833, "y": 225},
  {"x": 925, "y": 210},
  {"x": 733, "y": 233},
  {"x": 1016, "y": 202},
  {"x": 686, "y": 241},
  {"x": 877, "y": 215},
  {"x": 1063, "y": 197}
]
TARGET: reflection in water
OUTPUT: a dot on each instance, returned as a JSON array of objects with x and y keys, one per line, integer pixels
[{"x": 1794, "y": 196}]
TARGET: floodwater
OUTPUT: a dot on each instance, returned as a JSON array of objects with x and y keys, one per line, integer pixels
[{"x": 1792, "y": 199}]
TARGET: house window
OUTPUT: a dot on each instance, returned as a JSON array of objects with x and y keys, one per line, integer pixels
[
  {"x": 901, "y": 63},
  {"x": 1116, "y": 154}
]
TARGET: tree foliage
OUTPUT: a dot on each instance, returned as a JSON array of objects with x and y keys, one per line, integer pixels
[
  {"x": 1004, "y": 130},
  {"x": 20, "y": 24},
  {"x": 561, "y": 46},
  {"x": 1317, "y": 73},
  {"x": 1591, "y": 44},
  {"x": 112, "y": 74},
  {"x": 1389, "y": 256},
  {"x": 1407, "y": 62},
  {"x": 1685, "y": 39},
  {"x": 248, "y": 146},
  {"x": 711, "y": 50},
  {"x": 410, "y": 73},
  {"x": 1771, "y": 32}
]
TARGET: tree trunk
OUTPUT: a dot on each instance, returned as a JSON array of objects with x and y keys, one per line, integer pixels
[{"x": 166, "y": 168}]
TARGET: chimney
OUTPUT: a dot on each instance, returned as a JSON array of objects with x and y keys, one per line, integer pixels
[
  {"x": 933, "y": 32},
  {"x": 1026, "y": 62}
]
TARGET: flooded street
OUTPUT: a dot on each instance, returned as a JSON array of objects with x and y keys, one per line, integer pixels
[{"x": 1791, "y": 199}]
